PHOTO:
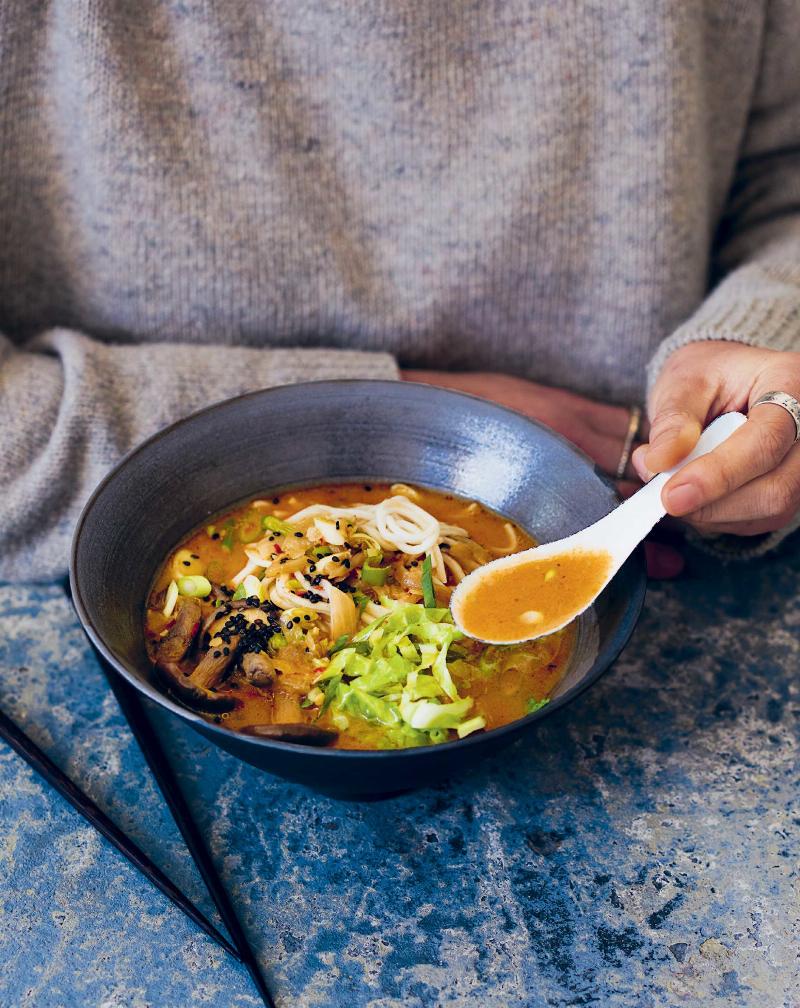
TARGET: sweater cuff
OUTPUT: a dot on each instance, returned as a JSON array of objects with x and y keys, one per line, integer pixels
[
  {"x": 757, "y": 304},
  {"x": 290, "y": 366},
  {"x": 731, "y": 548}
]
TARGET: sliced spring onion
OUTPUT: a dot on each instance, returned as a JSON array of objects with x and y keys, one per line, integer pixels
[
  {"x": 272, "y": 524},
  {"x": 533, "y": 704},
  {"x": 195, "y": 586},
  {"x": 341, "y": 642},
  {"x": 428, "y": 594},
  {"x": 240, "y": 593},
  {"x": 171, "y": 598},
  {"x": 249, "y": 528},
  {"x": 376, "y": 576}
]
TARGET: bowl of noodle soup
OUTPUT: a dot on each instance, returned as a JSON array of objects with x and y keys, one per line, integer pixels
[{"x": 275, "y": 571}]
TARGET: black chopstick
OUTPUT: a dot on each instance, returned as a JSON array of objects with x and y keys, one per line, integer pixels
[
  {"x": 81, "y": 802},
  {"x": 153, "y": 751}
]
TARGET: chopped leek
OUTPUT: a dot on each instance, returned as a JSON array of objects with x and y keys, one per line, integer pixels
[
  {"x": 468, "y": 727},
  {"x": 394, "y": 673},
  {"x": 329, "y": 693},
  {"x": 272, "y": 524},
  {"x": 376, "y": 576},
  {"x": 171, "y": 598},
  {"x": 195, "y": 586},
  {"x": 427, "y": 714},
  {"x": 428, "y": 594}
]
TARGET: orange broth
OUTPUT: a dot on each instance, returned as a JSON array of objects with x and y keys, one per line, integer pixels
[
  {"x": 517, "y": 679},
  {"x": 535, "y": 596}
]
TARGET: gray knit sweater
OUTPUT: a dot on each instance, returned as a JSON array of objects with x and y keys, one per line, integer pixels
[{"x": 199, "y": 199}]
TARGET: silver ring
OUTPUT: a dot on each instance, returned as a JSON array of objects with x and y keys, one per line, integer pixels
[
  {"x": 634, "y": 422},
  {"x": 788, "y": 402}
]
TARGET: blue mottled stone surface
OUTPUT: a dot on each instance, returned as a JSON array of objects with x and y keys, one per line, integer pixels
[{"x": 640, "y": 849}]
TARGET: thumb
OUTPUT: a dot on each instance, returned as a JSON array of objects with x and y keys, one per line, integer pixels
[{"x": 679, "y": 407}]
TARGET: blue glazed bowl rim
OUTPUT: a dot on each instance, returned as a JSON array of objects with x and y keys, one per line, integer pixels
[{"x": 209, "y": 728}]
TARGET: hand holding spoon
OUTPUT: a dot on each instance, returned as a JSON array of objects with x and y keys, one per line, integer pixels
[{"x": 536, "y": 592}]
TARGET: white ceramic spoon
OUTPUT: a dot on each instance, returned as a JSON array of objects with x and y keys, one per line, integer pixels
[{"x": 616, "y": 535}]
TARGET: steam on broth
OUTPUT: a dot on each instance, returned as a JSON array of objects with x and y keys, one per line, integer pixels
[{"x": 322, "y": 616}]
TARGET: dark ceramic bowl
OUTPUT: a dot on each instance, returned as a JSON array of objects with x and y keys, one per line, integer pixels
[{"x": 328, "y": 432}]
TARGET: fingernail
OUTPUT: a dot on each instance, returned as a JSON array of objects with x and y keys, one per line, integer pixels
[
  {"x": 637, "y": 461},
  {"x": 683, "y": 499}
]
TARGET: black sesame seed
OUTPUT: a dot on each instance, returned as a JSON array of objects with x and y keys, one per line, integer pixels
[
  {"x": 215, "y": 535},
  {"x": 307, "y": 617},
  {"x": 367, "y": 487},
  {"x": 195, "y": 556},
  {"x": 346, "y": 563},
  {"x": 299, "y": 535},
  {"x": 187, "y": 563},
  {"x": 217, "y": 654},
  {"x": 284, "y": 560},
  {"x": 226, "y": 651},
  {"x": 276, "y": 500}
]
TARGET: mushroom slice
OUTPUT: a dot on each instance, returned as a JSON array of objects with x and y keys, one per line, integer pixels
[
  {"x": 302, "y": 734},
  {"x": 214, "y": 664},
  {"x": 191, "y": 694},
  {"x": 181, "y": 634},
  {"x": 258, "y": 669}
]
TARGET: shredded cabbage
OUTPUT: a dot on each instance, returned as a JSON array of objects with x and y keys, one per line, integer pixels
[{"x": 394, "y": 673}]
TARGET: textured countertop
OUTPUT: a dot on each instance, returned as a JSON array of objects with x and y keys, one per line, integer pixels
[{"x": 639, "y": 849}]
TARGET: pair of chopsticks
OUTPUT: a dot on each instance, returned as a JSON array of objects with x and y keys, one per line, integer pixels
[
  {"x": 81, "y": 802},
  {"x": 150, "y": 744},
  {"x": 162, "y": 771}
]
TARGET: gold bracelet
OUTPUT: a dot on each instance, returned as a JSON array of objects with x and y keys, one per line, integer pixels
[{"x": 634, "y": 422}]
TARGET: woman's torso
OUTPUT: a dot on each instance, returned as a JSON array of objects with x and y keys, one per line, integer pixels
[{"x": 516, "y": 186}]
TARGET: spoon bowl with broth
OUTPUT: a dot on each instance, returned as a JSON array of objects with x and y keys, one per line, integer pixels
[{"x": 539, "y": 591}]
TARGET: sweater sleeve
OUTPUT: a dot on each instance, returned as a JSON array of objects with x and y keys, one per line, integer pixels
[
  {"x": 757, "y": 250},
  {"x": 71, "y": 406},
  {"x": 756, "y": 300}
]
